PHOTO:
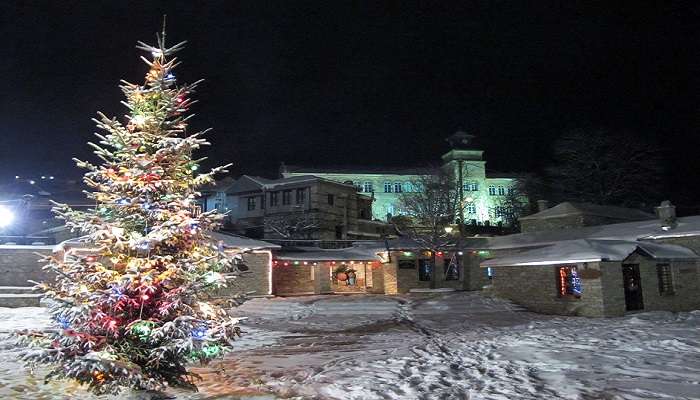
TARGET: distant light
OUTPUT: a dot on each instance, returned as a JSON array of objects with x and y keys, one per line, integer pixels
[
  {"x": 157, "y": 53},
  {"x": 43, "y": 177},
  {"x": 16, "y": 176},
  {"x": 448, "y": 229},
  {"x": 32, "y": 182},
  {"x": 6, "y": 217},
  {"x": 51, "y": 177}
]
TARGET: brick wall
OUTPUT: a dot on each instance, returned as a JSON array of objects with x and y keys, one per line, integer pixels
[{"x": 21, "y": 263}]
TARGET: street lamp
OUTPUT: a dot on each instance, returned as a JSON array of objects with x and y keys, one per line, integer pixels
[
  {"x": 448, "y": 229},
  {"x": 6, "y": 216}
]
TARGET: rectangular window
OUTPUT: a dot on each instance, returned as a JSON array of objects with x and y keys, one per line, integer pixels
[
  {"x": 425, "y": 270},
  {"x": 407, "y": 264},
  {"x": 663, "y": 271},
  {"x": 492, "y": 190},
  {"x": 451, "y": 268},
  {"x": 471, "y": 208},
  {"x": 368, "y": 187},
  {"x": 286, "y": 197},
  {"x": 471, "y": 186},
  {"x": 397, "y": 187},
  {"x": 331, "y": 199},
  {"x": 500, "y": 211},
  {"x": 387, "y": 187},
  {"x": 301, "y": 196},
  {"x": 407, "y": 187},
  {"x": 274, "y": 199},
  {"x": 501, "y": 191},
  {"x": 568, "y": 282},
  {"x": 511, "y": 191},
  {"x": 251, "y": 203}
]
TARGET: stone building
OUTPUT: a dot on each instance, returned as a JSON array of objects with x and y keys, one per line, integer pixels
[
  {"x": 600, "y": 270},
  {"x": 299, "y": 207},
  {"x": 391, "y": 267},
  {"x": 568, "y": 215},
  {"x": 484, "y": 194}
]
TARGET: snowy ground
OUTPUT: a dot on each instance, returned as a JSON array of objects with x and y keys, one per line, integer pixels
[{"x": 447, "y": 346}]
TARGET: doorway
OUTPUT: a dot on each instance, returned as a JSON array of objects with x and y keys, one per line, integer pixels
[{"x": 633, "y": 287}]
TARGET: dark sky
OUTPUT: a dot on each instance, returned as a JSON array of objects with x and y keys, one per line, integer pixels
[{"x": 360, "y": 82}]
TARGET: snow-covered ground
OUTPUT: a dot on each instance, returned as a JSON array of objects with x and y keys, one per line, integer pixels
[{"x": 428, "y": 346}]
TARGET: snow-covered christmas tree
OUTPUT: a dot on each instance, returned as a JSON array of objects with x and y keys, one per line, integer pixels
[{"x": 133, "y": 312}]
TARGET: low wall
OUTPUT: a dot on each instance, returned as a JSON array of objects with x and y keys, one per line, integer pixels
[{"x": 18, "y": 264}]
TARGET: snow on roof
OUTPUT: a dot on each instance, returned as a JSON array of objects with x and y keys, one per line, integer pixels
[
  {"x": 632, "y": 231},
  {"x": 566, "y": 209},
  {"x": 590, "y": 250},
  {"x": 230, "y": 241},
  {"x": 359, "y": 170},
  {"x": 242, "y": 242},
  {"x": 361, "y": 253}
]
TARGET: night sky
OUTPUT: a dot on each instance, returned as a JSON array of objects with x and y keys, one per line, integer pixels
[{"x": 360, "y": 82}]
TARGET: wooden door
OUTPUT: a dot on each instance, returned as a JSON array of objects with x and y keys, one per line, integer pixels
[{"x": 633, "y": 287}]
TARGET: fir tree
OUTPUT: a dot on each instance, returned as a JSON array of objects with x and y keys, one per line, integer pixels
[{"x": 134, "y": 312}]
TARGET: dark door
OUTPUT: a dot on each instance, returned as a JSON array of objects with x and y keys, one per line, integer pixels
[{"x": 633, "y": 287}]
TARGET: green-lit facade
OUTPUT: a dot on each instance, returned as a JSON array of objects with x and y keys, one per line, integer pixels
[{"x": 484, "y": 196}]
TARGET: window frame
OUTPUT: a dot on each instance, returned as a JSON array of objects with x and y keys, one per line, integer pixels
[
  {"x": 398, "y": 187},
  {"x": 664, "y": 276},
  {"x": 300, "y": 196},
  {"x": 388, "y": 186},
  {"x": 274, "y": 198},
  {"x": 251, "y": 203},
  {"x": 492, "y": 190},
  {"x": 368, "y": 187}
]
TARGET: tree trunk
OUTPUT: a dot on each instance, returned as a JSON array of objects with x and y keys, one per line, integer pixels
[{"x": 433, "y": 275}]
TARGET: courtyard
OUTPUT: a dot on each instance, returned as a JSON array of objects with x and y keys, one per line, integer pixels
[{"x": 458, "y": 345}]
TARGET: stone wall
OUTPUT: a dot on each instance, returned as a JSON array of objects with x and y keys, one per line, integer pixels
[
  {"x": 255, "y": 280},
  {"x": 535, "y": 287},
  {"x": 293, "y": 279},
  {"x": 568, "y": 222},
  {"x": 685, "y": 282},
  {"x": 475, "y": 277},
  {"x": 18, "y": 264},
  {"x": 406, "y": 279}
]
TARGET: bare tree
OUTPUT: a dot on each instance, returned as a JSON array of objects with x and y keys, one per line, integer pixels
[
  {"x": 600, "y": 167},
  {"x": 519, "y": 199},
  {"x": 299, "y": 225},
  {"x": 430, "y": 208}
]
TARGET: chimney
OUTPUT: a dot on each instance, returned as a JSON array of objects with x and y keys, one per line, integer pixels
[
  {"x": 542, "y": 205},
  {"x": 666, "y": 213}
]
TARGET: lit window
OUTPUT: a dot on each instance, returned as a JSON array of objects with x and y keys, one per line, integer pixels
[
  {"x": 568, "y": 282},
  {"x": 368, "y": 187},
  {"x": 390, "y": 209},
  {"x": 492, "y": 190},
  {"x": 251, "y": 203},
  {"x": 471, "y": 186},
  {"x": 501, "y": 191},
  {"x": 471, "y": 208},
  {"x": 407, "y": 187},
  {"x": 387, "y": 187},
  {"x": 500, "y": 211},
  {"x": 397, "y": 187},
  {"x": 663, "y": 271},
  {"x": 425, "y": 270}
]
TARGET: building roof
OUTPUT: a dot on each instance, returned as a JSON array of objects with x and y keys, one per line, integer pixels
[
  {"x": 567, "y": 209},
  {"x": 361, "y": 253},
  {"x": 590, "y": 250},
  {"x": 230, "y": 241},
  {"x": 248, "y": 183},
  {"x": 358, "y": 170},
  {"x": 632, "y": 231},
  {"x": 241, "y": 242}
]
